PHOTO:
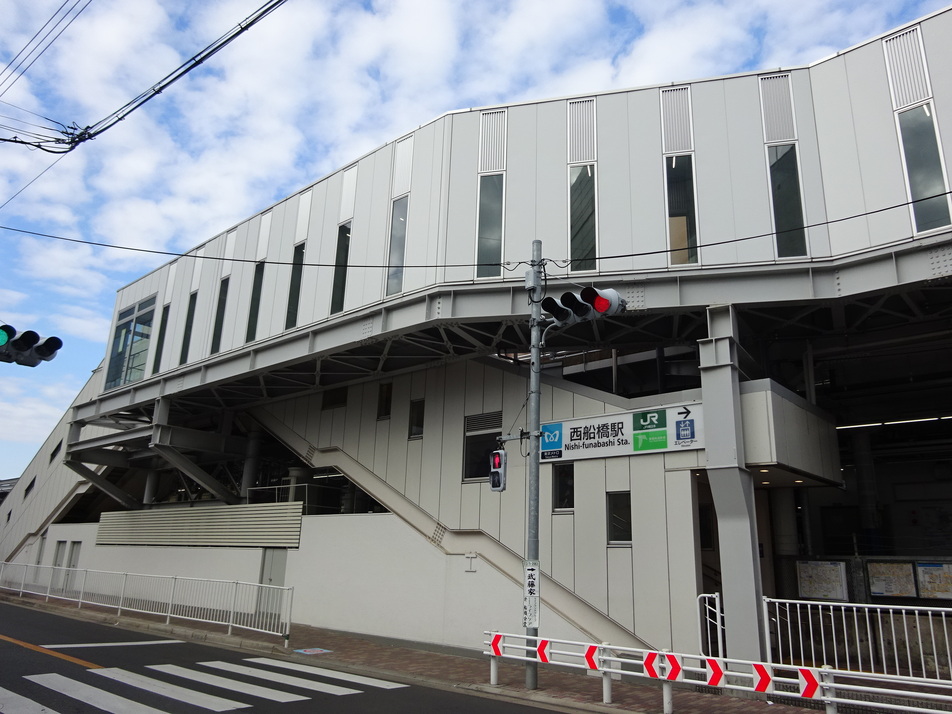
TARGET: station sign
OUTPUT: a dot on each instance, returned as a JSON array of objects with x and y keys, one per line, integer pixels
[{"x": 670, "y": 428}]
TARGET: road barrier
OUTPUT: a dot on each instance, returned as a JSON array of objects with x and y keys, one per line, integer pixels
[
  {"x": 824, "y": 684},
  {"x": 231, "y": 603}
]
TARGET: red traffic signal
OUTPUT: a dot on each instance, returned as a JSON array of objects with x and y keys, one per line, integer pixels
[
  {"x": 497, "y": 470},
  {"x": 589, "y": 304}
]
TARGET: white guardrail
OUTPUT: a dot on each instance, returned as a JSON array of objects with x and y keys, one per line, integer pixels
[
  {"x": 231, "y": 603},
  {"x": 826, "y": 684}
]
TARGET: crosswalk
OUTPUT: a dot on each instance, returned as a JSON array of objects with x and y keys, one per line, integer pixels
[{"x": 217, "y": 686}]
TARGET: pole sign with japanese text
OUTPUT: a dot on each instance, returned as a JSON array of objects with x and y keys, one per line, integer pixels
[
  {"x": 531, "y": 593},
  {"x": 675, "y": 428}
]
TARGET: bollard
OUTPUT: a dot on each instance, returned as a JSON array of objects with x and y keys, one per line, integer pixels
[
  {"x": 826, "y": 678},
  {"x": 493, "y": 670},
  {"x": 606, "y": 677}
]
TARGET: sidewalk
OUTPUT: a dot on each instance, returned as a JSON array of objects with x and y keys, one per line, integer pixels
[{"x": 445, "y": 668}]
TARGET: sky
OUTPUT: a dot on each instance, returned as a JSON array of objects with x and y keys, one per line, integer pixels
[{"x": 313, "y": 86}]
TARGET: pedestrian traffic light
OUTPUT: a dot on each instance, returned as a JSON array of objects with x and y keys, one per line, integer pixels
[
  {"x": 589, "y": 304},
  {"x": 26, "y": 348},
  {"x": 497, "y": 471}
]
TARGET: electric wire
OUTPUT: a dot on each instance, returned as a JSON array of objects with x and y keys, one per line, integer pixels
[{"x": 506, "y": 265}]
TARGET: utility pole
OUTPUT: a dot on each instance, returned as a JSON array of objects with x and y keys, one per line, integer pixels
[{"x": 532, "y": 605}]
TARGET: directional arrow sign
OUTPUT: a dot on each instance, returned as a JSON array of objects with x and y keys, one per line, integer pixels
[
  {"x": 590, "y": 657},
  {"x": 675, "y": 672},
  {"x": 684, "y": 413},
  {"x": 649, "y": 665},
  {"x": 497, "y": 650},
  {"x": 543, "y": 650},
  {"x": 808, "y": 682},
  {"x": 715, "y": 671},
  {"x": 763, "y": 676}
]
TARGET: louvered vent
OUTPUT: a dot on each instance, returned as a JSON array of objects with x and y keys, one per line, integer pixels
[
  {"x": 777, "y": 103},
  {"x": 581, "y": 130},
  {"x": 262, "y": 525},
  {"x": 484, "y": 422},
  {"x": 676, "y": 119},
  {"x": 908, "y": 78},
  {"x": 492, "y": 141}
]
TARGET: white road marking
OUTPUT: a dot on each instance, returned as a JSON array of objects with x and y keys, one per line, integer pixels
[
  {"x": 91, "y": 695},
  {"x": 172, "y": 691},
  {"x": 113, "y": 644},
  {"x": 275, "y": 695},
  {"x": 329, "y": 673},
  {"x": 12, "y": 702},
  {"x": 282, "y": 678}
]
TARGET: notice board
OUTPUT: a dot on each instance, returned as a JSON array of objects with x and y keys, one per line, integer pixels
[
  {"x": 822, "y": 579},
  {"x": 891, "y": 579}
]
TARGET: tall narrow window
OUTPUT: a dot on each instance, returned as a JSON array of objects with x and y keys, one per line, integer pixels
[
  {"x": 160, "y": 340},
  {"x": 130, "y": 344},
  {"x": 398, "y": 245},
  {"x": 563, "y": 486},
  {"x": 482, "y": 433},
  {"x": 340, "y": 268},
  {"x": 189, "y": 322},
  {"x": 220, "y": 315},
  {"x": 294, "y": 288},
  {"x": 582, "y": 216},
  {"x": 384, "y": 399},
  {"x": 619, "y": 517},
  {"x": 256, "y": 284},
  {"x": 787, "y": 205},
  {"x": 415, "y": 429},
  {"x": 924, "y": 168},
  {"x": 682, "y": 221},
  {"x": 489, "y": 228}
]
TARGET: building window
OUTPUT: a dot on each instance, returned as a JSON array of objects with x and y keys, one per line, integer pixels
[
  {"x": 924, "y": 168},
  {"x": 682, "y": 221},
  {"x": 563, "y": 486},
  {"x": 56, "y": 450},
  {"x": 398, "y": 245},
  {"x": 415, "y": 429},
  {"x": 334, "y": 398},
  {"x": 189, "y": 322},
  {"x": 220, "y": 315},
  {"x": 489, "y": 228},
  {"x": 29, "y": 487},
  {"x": 160, "y": 341},
  {"x": 294, "y": 288},
  {"x": 619, "y": 517},
  {"x": 582, "y": 216},
  {"x": 384, "y": 399},
  {"x": 340, "y": 268},
  {"x": 130, "y": 344},
  {"x": 787, "y": 204},
  {"x": 482, "y": 438},
  {"x": 256, "y": 284}
]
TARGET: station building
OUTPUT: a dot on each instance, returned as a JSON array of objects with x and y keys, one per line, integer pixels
[{"x": 309, "y": 398}]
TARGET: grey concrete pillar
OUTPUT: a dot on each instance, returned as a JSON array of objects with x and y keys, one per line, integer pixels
[
  {"x": 731, "y": 486},
  {"x": 252, "y": 462},
  {"x": 148, "y": 494},
  {"x": 786, "y": 540},
  {"x": 868, "y": 540}
]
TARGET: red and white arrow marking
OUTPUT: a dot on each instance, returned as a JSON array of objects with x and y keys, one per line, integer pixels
[
  {"x": 675, "y": 671},
  {"x": 764, "y": 675},
  {"x": 649, "y": 664},
  {"x": 715, "y": 671},
  {"x": 809, "y": 684},
  {"x": 590, "y": 657},
  {"x": 543, "y": 651},
  {"x": 497, "y": 650}
]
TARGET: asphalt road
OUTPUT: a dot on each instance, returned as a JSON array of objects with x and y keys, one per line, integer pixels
[{"x": 50, "y": 663}]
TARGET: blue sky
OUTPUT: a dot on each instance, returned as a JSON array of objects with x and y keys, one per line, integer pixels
[{"x": 313, "y": 86}]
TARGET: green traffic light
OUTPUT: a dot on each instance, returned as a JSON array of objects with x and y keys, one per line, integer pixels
[{"x": 6, "y": 334}]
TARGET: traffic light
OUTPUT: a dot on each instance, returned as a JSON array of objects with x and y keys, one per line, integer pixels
[
  {"x": 589, "y": 304},
  {"x": 26, "y": 348},
  {"x": 497, "y": 471}
]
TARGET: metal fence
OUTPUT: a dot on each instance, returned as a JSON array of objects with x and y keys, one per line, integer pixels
[
  {"x": 231, "y": 603},
  {"x": 881, "y": 639}
]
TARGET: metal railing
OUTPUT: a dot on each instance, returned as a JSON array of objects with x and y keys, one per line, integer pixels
[
  {"x": 822, "y": 684},
  {"x": 882, "y": 639},
  {"x": 711, "y": 623},
  {"x": 231, "y": 603}
]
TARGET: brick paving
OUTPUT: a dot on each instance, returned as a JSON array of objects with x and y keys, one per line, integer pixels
[{"x": 446, "y": 668}]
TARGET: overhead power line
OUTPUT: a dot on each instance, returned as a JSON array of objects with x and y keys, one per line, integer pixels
[{"x": 73, "y": 135}]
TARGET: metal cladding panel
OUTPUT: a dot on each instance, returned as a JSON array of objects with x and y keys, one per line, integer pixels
[
  {"x": 649, "y": 224},
  {"x": 621, "y": 606},
  {"x": 581, "y": 121},
  {"x": 402, "y": 166},
  {"x": 814, "y": 204},
  {"x": 591, "y": 556},
  {"x": 266, "y": 525},
  {"x": 615, "y": 218},
  {"x": 315, "y": 289},
  {"x": 676, "y": 119},
  {"x": 908, "y": 77},
  {"x": 777, "y": 104},
  {"x": 551, "y": 181},
  {"x": 715, "y": 192},
  {"x": 368, "y": 232},
  {"x": 521, "y": 181},
  {"x": 348, "y": 194},
  {"x": 463, "y": 139},
  {"x": 492, "y": 141}
]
